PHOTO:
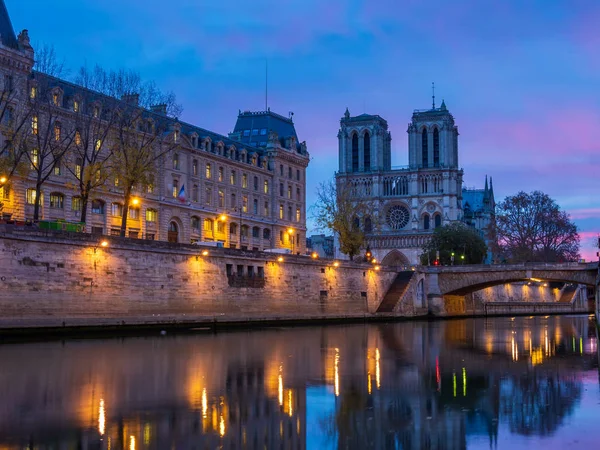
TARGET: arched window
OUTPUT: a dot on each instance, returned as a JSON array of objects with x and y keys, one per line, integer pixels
[
  {"x": 424, "y": 150},
  {"x": 436, "y": 147},
  {"x": 255, "y": 232},
  {"x": 356, "y": 223},
  {"x": 195, "y": 224},
  {"x": 117, "y": 209},
  {"x": 367, "y": 151},
  {"x": 266, "y": 233},
  {"x": 208, "y": 226},
  {"x": 173, "y": 232},
  {"x": 368, "y": 224},
  {"x": 233, "y": 229},
  {"x": 354, "y": 151},
  {"x": 437, "y": 220},
  {"x": 244, "y": 229},
  {"x": 426, "y": 222}
]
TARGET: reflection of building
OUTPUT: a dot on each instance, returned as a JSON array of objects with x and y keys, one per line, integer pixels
[
  {"x": 256, "y": 175},
  {"x": 407, "y": 385},
  {"x": 323, "y": 245},
  {"x": 412, "y": 200}
]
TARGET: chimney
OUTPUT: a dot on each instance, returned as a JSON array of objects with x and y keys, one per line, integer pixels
[
  {"x": 159, "y": 109},
  {"x": 131, "y": 99}
]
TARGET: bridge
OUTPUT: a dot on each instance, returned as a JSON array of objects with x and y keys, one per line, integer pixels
[{"x": 445, "y": 290}]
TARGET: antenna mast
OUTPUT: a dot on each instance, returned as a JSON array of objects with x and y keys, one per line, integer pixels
[
  {"x": 266, "y": 84},
  {"x": 432, "y": 95}
]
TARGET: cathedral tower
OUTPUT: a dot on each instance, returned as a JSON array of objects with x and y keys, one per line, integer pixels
[
  {"x": 364, "y": 144},
  {"x": 433, "y": 139}
]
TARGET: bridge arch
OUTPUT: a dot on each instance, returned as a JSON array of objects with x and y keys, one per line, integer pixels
[{"x": 395, "y": 258}]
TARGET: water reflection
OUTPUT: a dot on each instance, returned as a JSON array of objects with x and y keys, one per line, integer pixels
[{"x": 406, "y": 385}]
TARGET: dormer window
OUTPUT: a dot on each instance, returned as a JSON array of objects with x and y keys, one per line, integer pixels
[
  {"x": 76, "y": 106},
  {"x": 176, "y": 136},
  {"x": 33, "y": 92},
  {"x": 55, "y": 98},
  {"x": 96, "y": 112},
  {"x": 77, "y": 137}
]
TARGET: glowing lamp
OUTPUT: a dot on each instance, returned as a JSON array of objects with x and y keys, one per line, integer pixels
[
  {"x": 314, "y": 255},
  {"x": 280, "y": 259},
  {"x": 336, "y": 264},
  {"x": 374, "y": 260},
  {"x": 135, "y": 201},
  {"x": 2, "y": 180},
  {"x": 205, "y": 253},
  {"x": 104, "y": 244},
  {"x": 377, "y": 267},
  {"x": 290, "y": 230},
  {"x": 223, "y": 218}
]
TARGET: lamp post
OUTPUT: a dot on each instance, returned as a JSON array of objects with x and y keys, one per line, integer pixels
[{"x": 222, "y": 218}]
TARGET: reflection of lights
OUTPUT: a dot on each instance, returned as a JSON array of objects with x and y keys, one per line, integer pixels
[
  {"x": 464, "y": 382},
  {"x": 438, "y": 376},
  {"x": 131, "y": 442},
  {"x": 581, "y": 345},
  {"x": 369, "y": 383},
  {"x": 221, "y": 425},
  {"x": 515, "y": 349},
  {"x": 147, "y": 434},
  {"x": 337, "y": 372},
  {"x": 537, "y": 356},
  {"x": 101, "y": 418},
  {"x": 204, "y": 404},
  {"x": 377, "y": 369},
  {"x": 489, "y": 343},
  {"x": 546, "y": 343},
  {"x": 280, "y": 386},
  {"x": 454, "y": 384},
  {"x": 591, "y": 346},
  {"x": 298, "y": 424},
  {"x": 290, "y": 407}
]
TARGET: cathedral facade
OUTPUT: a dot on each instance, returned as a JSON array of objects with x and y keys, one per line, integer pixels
[{"x": 409, "y": 202}]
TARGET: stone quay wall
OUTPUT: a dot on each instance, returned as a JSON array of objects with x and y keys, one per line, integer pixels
[{"x": 52, "y": 279}]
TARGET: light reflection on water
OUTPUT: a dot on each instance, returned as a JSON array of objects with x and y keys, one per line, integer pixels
[{"x": 475, "y": 384}]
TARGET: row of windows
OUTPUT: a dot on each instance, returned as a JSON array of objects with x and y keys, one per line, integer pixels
[
  {"x": 425, "y": 149},
  {"x": 366, "y": 151},
  {"x": 209, "y": 228},
  {"x": 255, "y": 132},
  {"x": 290, "y": 172}
]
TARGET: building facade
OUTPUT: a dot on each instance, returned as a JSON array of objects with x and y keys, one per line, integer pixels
[
  {"x": 408, "y": 202},
  {"x": 246, "y": 189}
]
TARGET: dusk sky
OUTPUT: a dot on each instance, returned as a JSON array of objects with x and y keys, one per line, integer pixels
[{"x": 521, "y": 78}]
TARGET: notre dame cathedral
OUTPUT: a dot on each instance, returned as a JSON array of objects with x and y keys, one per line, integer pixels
[{"x": 410, "y": 201}]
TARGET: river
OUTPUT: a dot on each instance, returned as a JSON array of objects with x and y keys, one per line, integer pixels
[{"x": 515, "y": 383}]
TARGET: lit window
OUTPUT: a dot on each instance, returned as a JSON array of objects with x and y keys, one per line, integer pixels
[
  {"x": 297, "y": 214},
  {"x": 76, "y": 106},
  {"x": 151, "y": 215},
  {"x": 78, "y": 164},
  {"x": 76, "y": 204},
  {"x": 281, "y": 211},
  {"x": 55, "y": 99},
  {"x": 34, "y": 124},
  {"x": 35, "y": 156},
  {"x": 220, "y": 174},
  {"x": 232, "y": 177},
  {"x": 57, "y": 131},
  {"x": 244, "y": 180},
  {"x": 117, "y": 210},
  {"x": 289, "y": 191},
  {"x": 245, "y": 204},
  {"x": 98, "y": 144},
  {"x": 116, "y": 181},
  {"x": 57, "y": 170},
  {"x": 33, "y": 92},
  {"x": 57, "y": 200},
  {"x": 208, "y": 171},
  {"x": 221, "y": 198},
  {"x": 208, "y": 225},
  {"x": 221, "y": 227},
  {"x": 175, "y": 188},
  {"x": 77, "y": 138},
  {"x": 31, "y": 195},
  {"x": 266, "y": 186},
  {"x": 98, "y": 176},
  {"x": 176, "y": 136}
]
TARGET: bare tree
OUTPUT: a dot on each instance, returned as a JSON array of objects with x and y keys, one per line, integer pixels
[
  {"x": 46, "y": 61},
  {"x": 48, "y": 139},
  {"x": 531, "y": 227},
  {"x": 90, "y": 158},
  {"x": 138, "y": 143},
  {"x": 340, "y": 210},
  {"x": 126, "y": 82}
]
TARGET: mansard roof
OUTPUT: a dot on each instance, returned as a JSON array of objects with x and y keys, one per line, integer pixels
[
  {"x": 264, "y": 122},
  {"x": 364, "y": 118},
  {"x": 7, "y": 33}
]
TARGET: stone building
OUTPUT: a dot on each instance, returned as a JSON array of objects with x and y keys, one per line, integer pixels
[
  {"x": 410, "y": 202},
  {"x": 246, "y": 189}
]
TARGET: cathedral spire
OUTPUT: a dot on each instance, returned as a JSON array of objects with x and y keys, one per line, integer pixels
[{"x": 7, "y": 33}]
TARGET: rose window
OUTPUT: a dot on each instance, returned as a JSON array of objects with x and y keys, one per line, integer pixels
[{"x": 397, "y": 217}]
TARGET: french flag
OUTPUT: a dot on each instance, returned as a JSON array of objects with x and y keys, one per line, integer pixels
[{"x": 181, "y": 195}]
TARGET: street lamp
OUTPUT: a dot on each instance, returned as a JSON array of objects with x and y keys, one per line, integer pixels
[
  {"x": 3, "y": 179},
  {"x": 103, "y": 243},
  {"x": 290, "y": 232},
  {"x": 135, "y": 201}
]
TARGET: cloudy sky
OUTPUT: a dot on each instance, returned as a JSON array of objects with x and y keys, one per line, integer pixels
[{"x": 522, "y": 78}]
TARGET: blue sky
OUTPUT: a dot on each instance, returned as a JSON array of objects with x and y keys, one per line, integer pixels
[{"x": 521, "y": 78}]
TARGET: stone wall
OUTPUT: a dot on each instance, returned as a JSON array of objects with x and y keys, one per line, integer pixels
[{"x": 48, "y": 279}]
